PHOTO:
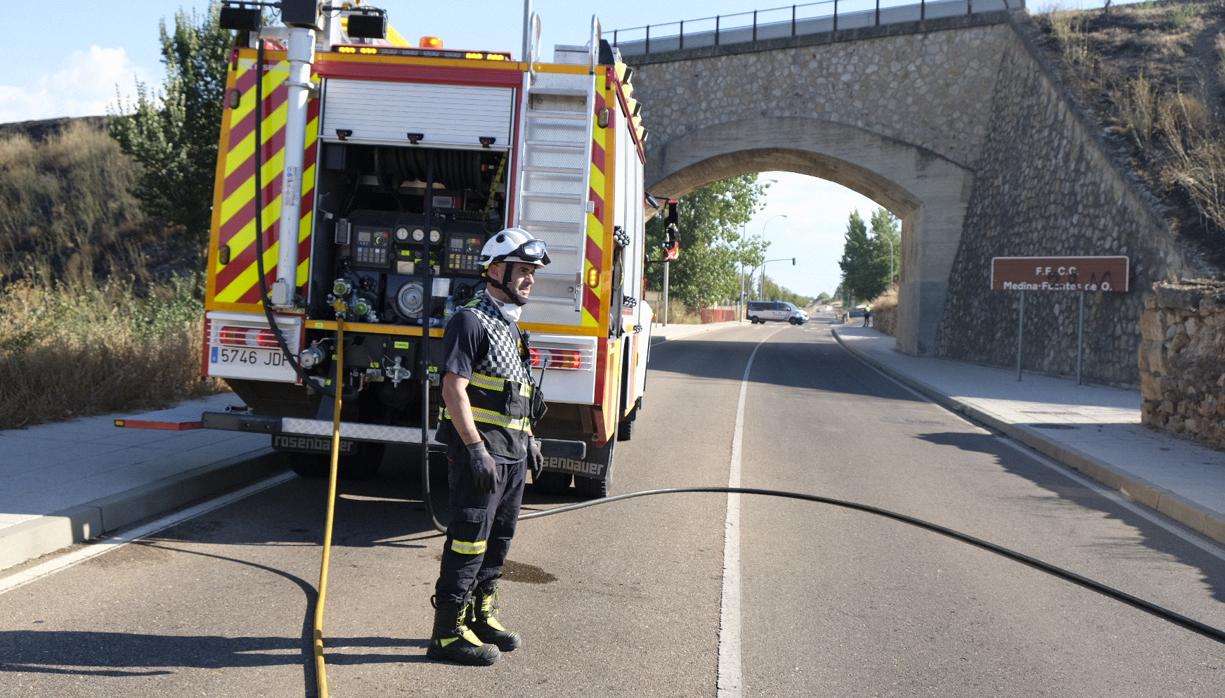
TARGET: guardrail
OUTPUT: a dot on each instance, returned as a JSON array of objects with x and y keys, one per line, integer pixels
[{"x": 793, "y": 20}]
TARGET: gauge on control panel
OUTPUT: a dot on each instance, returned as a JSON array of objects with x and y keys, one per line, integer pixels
[
  {"x": 435, "y": 236},
  {"x": 418, "y": 235},
  {"x": 401, "y": 234}
]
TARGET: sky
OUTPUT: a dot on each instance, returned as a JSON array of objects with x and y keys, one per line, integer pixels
[{"x": 96, "y": 51}]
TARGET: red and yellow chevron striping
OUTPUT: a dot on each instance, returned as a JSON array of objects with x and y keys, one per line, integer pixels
[
  {"x": 235, "y": 283},
  {"x": 597, "y": 191}
]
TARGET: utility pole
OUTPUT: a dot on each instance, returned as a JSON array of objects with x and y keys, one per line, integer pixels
[
  {"x": 740, "y": 309},
  {"x": 666, "y": 264}
]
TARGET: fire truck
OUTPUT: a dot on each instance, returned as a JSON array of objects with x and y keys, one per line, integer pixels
[{"x": 358, "y": 178}]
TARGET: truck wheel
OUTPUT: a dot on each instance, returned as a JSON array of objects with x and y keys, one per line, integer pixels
[
  {"x": 625, "y": 429},
  {"x": 551, "y": 482},
  {"x": 593, "y": 487},
  {"x": 362, "y": 465}
]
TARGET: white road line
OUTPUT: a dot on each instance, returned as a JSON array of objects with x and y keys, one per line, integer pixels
[
  {"x": 106, "y": 544},
  {"x": 1205, "y": 544},
  {"x": 730, "y": 682}
]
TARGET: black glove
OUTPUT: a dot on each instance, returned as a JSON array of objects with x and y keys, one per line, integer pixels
[
  {"x": 535, "y": 459},
  {"x": 484, "y": 469}
]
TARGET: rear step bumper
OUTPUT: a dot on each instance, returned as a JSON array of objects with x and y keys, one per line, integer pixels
[{"x": 356, "y": 431}]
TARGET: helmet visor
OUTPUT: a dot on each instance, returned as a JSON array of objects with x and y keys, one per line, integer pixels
[{"x": 531, "y": 252}]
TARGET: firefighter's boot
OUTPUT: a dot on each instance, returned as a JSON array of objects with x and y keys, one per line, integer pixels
[
  {"x": 484, "y": 622},
  {"x": 453, "y": 641}
]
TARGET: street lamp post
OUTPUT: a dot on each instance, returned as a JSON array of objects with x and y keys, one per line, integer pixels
[
  {"x": 890, "y": 241},
  {"x": 761, "y": 285},
  {"x": 765, "y": 225}
]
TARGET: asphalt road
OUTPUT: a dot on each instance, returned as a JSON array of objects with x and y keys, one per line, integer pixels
[{"x": 625, "y": 599}]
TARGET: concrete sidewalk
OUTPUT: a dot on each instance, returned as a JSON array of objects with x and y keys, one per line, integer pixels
[
  {"x": 67, "y": 482},
  {"x": 672, "y": 331},
  {"x": 1093, "y": 429}
]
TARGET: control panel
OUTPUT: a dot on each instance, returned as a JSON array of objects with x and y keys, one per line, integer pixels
[
  {"x": 383, "y": 257},
  {"x": 463, "y": 252},
  {"x": 371, "y": 246}
]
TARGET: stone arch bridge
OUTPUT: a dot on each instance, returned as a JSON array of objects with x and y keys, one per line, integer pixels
[{"x": 959, "y": 127}]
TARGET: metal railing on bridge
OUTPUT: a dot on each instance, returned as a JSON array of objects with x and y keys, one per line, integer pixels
[{"x": 793, "y": 20}]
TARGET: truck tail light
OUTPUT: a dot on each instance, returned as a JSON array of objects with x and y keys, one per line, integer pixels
[
  {"x": 252, "y": 337},
  {"x": 569, "y": 359}
]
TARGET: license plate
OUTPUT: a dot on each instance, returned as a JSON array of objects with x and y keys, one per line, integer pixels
[{"x": 244, "y": 356}]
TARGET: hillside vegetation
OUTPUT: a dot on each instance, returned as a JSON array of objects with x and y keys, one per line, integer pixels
[
  {"x": 100, "y": 305},
  {"x": 1153, "y": 75}
]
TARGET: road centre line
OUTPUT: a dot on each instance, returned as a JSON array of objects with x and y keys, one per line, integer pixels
[
  {"x": 106, "y": 544},
  {"x": 730, "y": 680},
  {"x": 1140, "y": 510}
]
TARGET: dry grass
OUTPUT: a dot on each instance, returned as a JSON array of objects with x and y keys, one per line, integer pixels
[
  {"x": 1220, "y": 58},
  {"x": 1068, "y": 29},
  {"x": 90, "y": 322},
  {"x": 679, "y": 314},
  {"x": 1137, "y": 104},
  {"x": 68, "y": 204},
  {"x": 72, "y": 351},
  {"x": 884, "y": 312},
  {"x": 1195, "y": 140},
  {"x": 1155, "y": 73}
]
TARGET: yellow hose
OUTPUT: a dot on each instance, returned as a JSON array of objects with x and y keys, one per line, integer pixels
[{"x": 321, "y": 676}]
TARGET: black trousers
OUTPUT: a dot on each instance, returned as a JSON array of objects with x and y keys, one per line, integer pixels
[{"x": 482, "y": 526}]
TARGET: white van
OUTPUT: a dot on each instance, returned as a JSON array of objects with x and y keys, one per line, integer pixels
[{"x": 779, "y": 311}]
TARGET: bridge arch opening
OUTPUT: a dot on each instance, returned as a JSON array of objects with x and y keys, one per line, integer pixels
[{"x": 926, "y": 191}]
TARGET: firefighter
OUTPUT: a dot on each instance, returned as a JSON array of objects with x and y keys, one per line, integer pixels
[{"x": 490, "y": 404}]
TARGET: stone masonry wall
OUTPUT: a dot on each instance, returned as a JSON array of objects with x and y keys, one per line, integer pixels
[
  {"x": 1044, "y": 186},
  {"x": 926, "y": 89},
  {"x": 1182, "y": 360}
]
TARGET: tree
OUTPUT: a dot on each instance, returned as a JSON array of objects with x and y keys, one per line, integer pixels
[
  {"x": 866, "y": 260},
  {"x": 777, "y": 292},
  {"x": 173, "y": 134},
  {"x": 858, "y": 281},
  {"x": 886, "y": 233},
  {"x": 713, "y": 244}
]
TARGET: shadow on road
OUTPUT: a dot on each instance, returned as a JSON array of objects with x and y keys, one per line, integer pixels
[
  {"x": 84, "y": 653},
  {"x": 1073, "y": 495}
]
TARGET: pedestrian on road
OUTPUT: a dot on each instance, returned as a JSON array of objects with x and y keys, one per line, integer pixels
[
  {"x": 486, "y": 424},
  {"x": 867, "y": 316}
]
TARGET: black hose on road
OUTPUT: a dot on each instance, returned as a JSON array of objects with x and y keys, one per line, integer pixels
[{"x": 1149, "y": 607}]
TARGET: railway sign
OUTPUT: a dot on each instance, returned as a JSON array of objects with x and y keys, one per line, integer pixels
[{"x": 1101, "y": 274}]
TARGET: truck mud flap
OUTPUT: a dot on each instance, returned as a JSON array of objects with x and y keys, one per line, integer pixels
[{"x": 589, "y": 462}]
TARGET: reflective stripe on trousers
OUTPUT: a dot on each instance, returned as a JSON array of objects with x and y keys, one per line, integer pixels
[{"x": 481, "y": 528}]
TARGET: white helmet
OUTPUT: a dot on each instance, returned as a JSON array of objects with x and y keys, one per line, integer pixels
[{"x": 514, "y": 245}]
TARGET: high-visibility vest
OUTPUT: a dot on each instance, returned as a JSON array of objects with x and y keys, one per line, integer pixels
[{"x": 500, "y": 389}]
